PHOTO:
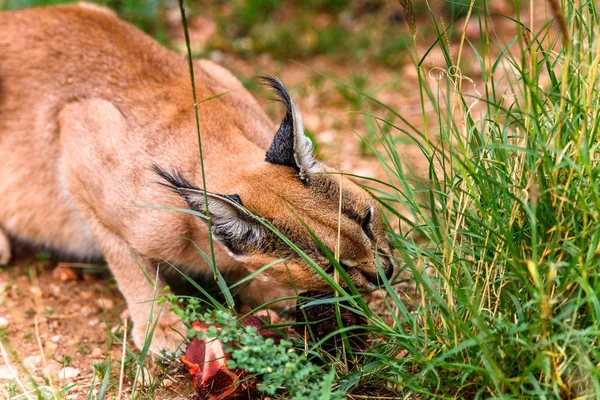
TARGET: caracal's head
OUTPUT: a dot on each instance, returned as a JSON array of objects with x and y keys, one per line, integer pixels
[{"x": 305, "y": 201}]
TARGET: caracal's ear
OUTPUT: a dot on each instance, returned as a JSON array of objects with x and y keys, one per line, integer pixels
[
  {"x": 231, "y": 224},
  {"x": 290, "y": 146}
]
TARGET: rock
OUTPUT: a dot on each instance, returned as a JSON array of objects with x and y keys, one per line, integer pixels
[
  {"x": 88, "y": 311},
  {"x": 7, "y": 373},
  {"x": 52, "y": 368},
  {"x": 50, "y": 347},
  {"x": 56, "y": 338},
  {"x": 3, "y": 323},
  {"x": 105, "y": 304},
  {"x": 93, "y": 322},
  {"x": 97, "y": 352},
  {"x": 86, "y": 294},
  {"x": 32, "y": 362},
  {"x": 68, "y": 373},
  {"x": 55, "y": 290},
  {"x": 63, "y": 273}
]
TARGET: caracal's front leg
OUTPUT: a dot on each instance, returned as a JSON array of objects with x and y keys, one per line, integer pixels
[
  {"x": 5, "y": 253},
  {"x": 141, "y": 286}
]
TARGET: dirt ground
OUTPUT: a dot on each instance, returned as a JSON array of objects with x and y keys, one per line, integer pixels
[{"x": 55, "y": 327}]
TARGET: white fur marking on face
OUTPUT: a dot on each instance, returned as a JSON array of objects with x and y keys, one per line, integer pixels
[
  {"x": 348, "y": 262},
  {"x": 303, "y": 154}
]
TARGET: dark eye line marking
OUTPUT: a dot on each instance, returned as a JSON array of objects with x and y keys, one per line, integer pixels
[{"x": 352, "y": 214}]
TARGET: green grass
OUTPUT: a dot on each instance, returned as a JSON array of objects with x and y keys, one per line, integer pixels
[{"x": 507, "y": 259}]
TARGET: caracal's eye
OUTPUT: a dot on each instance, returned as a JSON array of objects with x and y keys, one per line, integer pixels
[{"x": 367, "y": 221}]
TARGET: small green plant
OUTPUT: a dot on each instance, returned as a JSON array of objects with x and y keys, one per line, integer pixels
[
  {"x": 9, "y": 390},
  {"x": 65, "y": 360},
  {"x": 278, "y": 366}
]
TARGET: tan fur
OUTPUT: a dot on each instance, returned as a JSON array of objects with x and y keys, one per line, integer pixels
[{"x": 89, "y": 104}]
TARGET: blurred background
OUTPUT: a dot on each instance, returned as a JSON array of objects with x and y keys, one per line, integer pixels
[{"x": 344, "y": 31}]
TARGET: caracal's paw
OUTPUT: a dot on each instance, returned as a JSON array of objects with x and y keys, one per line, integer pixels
[
  {"x": 168, "y": 335},
  {"x": 4, "y": 248}
]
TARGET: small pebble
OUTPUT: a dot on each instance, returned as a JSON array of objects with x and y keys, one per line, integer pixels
[
  {"x": 56, "y": 338},
  {"x": 52, "y": 368},
  {"x": 68, "y": 373},
  {"x": 55, "y": 290},
  {"x": 35, "y": 290},
  {"x": 64, "y": 274},
  {"x": 97, "y": 352},
  {"x": 50, "y": 347},
  {"x": 88, "y": 311},
  {"x": 32, "y": 362},
  {"x": 93, "y": 322},
  {"x": 7, "y": 373},
  {"x": 106, "y": 304},
  {"x": 86, "y": 294},
  {"x": 3, "y": 322}
]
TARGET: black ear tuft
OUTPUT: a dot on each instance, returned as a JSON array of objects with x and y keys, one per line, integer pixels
[
  {"x": 290, "y": 147},
  {"x": 230, "y": 223},
  {"x": 280, "y": 89},
  {"x": 174, "y": 180},
  {"x": 177, "y": 183},
  {"x": 282, "y": 149}
]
